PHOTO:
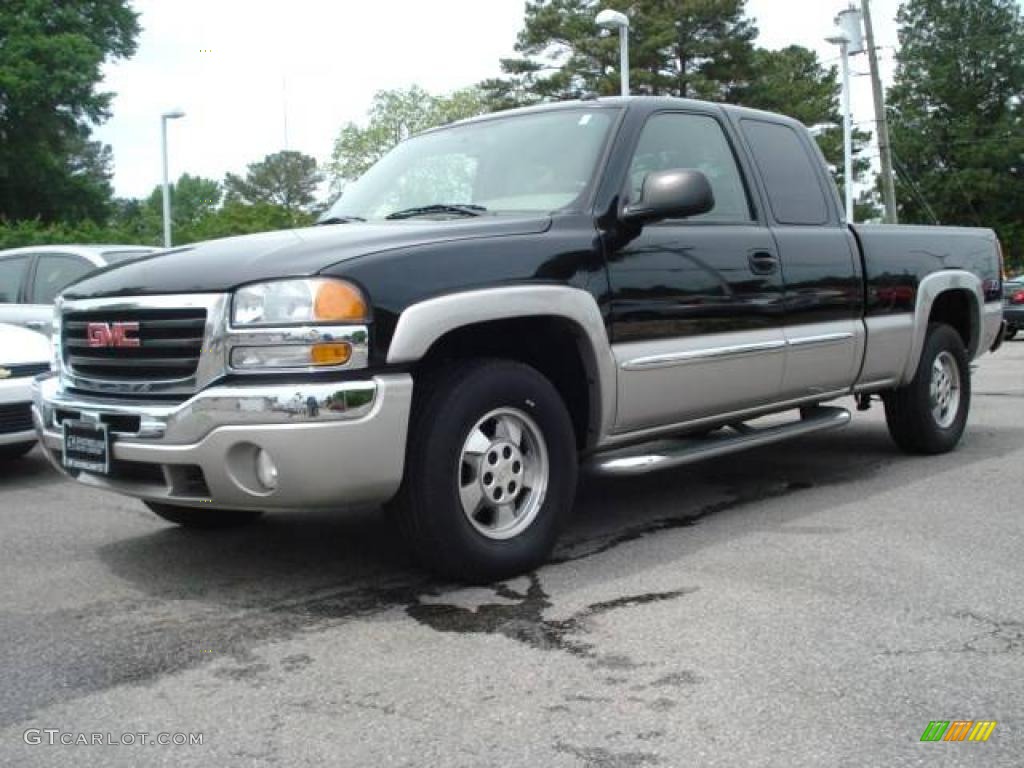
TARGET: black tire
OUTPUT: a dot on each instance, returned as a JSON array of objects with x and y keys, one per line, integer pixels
[
  {"x": 428, "y": 507},
  {"x": 204, "y": 519},
  {"x": 16, "y": 451},
  {"x": 1011, "y": 333},
  {"x": 909, "y": 410}
]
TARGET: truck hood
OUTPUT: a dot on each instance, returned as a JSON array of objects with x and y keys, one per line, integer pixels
[{"x": 221, "y": 265}]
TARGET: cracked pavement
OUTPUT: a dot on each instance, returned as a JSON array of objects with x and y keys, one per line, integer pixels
[{"x": 814, "y": 603}]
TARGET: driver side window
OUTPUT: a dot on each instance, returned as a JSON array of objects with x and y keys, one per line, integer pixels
[{"x": 693, "y": 142}]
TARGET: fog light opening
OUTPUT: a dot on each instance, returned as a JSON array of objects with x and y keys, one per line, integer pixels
[{"x": 266, "y": 470}]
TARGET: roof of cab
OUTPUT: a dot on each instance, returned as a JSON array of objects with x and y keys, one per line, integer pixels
[{"x": 645, "y": 103}]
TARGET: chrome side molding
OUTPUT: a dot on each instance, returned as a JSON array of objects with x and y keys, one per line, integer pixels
[
  {"x": 681, "y": 358},
  {"x": 734, "y": 350}
]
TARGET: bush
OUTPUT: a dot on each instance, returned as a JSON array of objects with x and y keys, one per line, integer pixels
[{"x": 233, "y": 218}]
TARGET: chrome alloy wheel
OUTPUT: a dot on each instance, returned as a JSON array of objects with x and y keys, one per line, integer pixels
[
  {"x": 503, "y": 473},
  {"x": 945, "y": 390}
]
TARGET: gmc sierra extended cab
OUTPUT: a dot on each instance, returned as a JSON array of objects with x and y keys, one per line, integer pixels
[{"x": 625, "y": 285}]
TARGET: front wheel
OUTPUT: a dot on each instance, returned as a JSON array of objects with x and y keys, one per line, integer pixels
[
  {"x": 207, "y": 519},
  {"x": 1011, "y": 333},
  {"x": 929, "y": 414},
  {"x": 490, "y": 472}
]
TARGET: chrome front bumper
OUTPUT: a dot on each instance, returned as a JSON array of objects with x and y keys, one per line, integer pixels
[{"x": 333, "y": 443}]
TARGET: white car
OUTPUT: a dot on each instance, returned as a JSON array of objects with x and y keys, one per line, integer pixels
[
  {"x": 23, "y": 355},
  {"x": 31, "y": 278}
]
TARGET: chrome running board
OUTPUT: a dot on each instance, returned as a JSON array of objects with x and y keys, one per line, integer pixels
[{"x": 641, "y": 459}]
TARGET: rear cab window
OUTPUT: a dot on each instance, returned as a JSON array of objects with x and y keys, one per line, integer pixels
[{"x": 793, "y": 184}]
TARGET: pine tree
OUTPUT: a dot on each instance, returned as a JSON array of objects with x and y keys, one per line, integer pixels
[
  {"x": 958, "y": 117},
  {"x": 690, "y": 48}
]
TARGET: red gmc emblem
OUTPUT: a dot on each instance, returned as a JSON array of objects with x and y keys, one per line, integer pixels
[{"x": 112, "y": 334}]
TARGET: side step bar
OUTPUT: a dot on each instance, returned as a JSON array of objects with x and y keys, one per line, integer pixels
[{"x": 641, "y": 459}]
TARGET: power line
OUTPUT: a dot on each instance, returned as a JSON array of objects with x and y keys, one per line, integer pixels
[{"x": 914, "y": 188}]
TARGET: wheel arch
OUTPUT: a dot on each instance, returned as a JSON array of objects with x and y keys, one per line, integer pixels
[
  {"x": 954, "y": 297},
  {"x": 454, "y": 323}
]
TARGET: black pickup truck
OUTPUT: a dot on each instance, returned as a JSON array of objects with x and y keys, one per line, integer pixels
[{"x": 621, "y": 284}]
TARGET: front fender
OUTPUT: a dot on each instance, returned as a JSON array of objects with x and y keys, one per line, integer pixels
[{"x": 422, "y": 324}]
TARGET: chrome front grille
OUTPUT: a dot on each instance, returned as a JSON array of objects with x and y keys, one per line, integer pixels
[
  {"x": 142, "y": 346},
  {"x": 166, "y": 344}
]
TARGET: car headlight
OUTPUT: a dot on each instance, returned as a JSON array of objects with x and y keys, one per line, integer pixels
[
  {"x": 271, "y": 326},
  {"x": 291, "y": 302}
]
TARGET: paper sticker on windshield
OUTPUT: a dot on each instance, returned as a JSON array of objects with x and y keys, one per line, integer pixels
[{"x": 585, "y": 120}]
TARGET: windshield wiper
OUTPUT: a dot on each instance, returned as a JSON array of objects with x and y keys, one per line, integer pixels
[
  {"x": 462, "y": 209},
  {"x": 340, "y": 220}
]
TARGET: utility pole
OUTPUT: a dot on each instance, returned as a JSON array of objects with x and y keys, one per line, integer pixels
[{"x": 881, "y": 120}]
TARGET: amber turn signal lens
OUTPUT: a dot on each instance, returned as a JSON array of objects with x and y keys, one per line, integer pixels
[
  {"x": 338, "y": 301},
  {"x": 330, "y": 354}
]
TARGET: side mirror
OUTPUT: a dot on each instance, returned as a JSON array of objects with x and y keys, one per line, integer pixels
[{"x": 673, "y": 194}]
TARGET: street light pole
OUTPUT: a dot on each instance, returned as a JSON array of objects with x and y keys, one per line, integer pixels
[
  {"x": 614, "y": 20},
  {"x": 844, "y": 50},
  {"x": 843, "y": 42},
  {"x": 624, "y": 59},
  {"x": 173, "y": 114}
]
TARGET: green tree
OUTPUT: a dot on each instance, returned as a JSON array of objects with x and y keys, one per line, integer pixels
[
  {"x": 393, "y": 117},
  {"x": 51, "y": 54},
  {"x": 238, "y": 218},
  {"x": 691, "y": 48},
  {"x": 957, "y": 115},
  {"x": 192, "y": 199},
  {"x": 287, "y": 179}
]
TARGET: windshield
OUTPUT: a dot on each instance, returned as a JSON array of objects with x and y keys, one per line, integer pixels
[{"x": 532, "y": 162}]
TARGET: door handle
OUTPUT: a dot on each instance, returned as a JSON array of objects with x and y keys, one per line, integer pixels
[
  {"x": 763, "y": 263},
  {"x": 36, "y": 325}
]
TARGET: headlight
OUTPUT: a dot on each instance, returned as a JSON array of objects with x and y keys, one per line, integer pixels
[{"x": 291, "y": 302}]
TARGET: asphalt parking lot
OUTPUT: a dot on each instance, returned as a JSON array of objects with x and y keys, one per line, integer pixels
[{"x": 812, "y": 604}]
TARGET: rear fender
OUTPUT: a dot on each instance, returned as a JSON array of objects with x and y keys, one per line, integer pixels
[{"x": 929, "y": 289}]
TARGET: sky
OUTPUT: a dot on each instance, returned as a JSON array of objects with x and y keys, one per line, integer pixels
[{"x": 257, "y": 77}]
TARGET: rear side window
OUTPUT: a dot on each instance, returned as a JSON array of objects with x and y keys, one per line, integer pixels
[
  {"x": 674, "y": 140},
  {"x": 54, "y": 274},
  {"x": 12, "y": 276},
  {"x": 794, "y": 189}
]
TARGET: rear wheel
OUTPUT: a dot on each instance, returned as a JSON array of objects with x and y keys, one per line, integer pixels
[
  {"x": 490, "y": 472},
  {"x": 16, "y": 451},
  {"x": 929, "y": 414},
  {"x": 1011, "y": 332},
  {"x": 188, "y": 517}
]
